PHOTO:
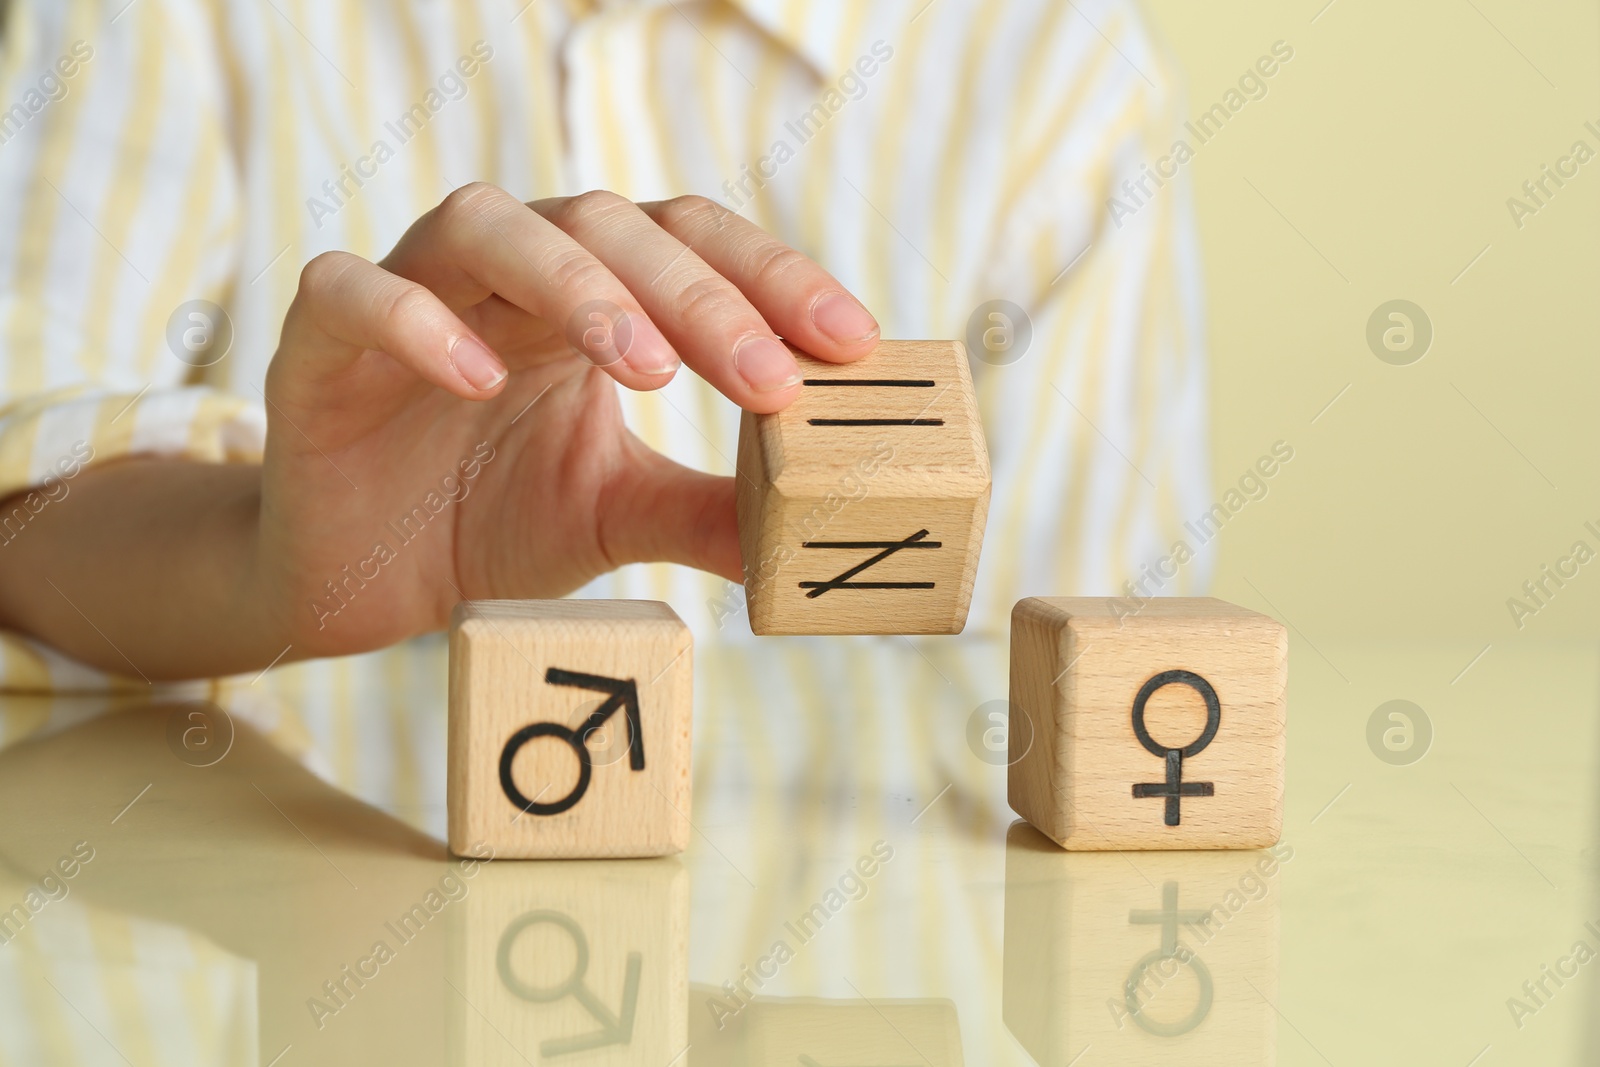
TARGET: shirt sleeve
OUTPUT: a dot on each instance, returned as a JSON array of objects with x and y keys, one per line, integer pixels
[
  {"x": 118, "y": 224},
  {"x": 1097, "y": 412}
]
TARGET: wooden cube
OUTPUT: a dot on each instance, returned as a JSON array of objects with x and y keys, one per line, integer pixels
[
  {"x": 862, "y": 504},
  {"x": 587, "y": 961},
  {"x": 1147, "y": 724},
  {"x": 569, "y": 728},
  {"x": 813, "y": 1032},
  {"x": 807, "y": 1030},
  {"x": 1173, "y": 960}
]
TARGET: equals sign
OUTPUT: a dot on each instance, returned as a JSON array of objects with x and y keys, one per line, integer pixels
[{"x": 888, "y": 383}]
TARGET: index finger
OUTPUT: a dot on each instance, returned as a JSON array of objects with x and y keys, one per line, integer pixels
[
  {"x": 481, "y": 240},
  {"x": 804, "y": 303}
]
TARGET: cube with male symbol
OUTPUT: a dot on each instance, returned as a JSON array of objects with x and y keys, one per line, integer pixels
[{"x": 569, "y": 728}]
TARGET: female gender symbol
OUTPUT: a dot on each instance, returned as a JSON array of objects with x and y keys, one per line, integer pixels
[{"x": 1175, "y": 787}]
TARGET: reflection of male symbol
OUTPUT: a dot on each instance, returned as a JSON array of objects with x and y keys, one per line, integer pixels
[
  {"x": 1168, "y": 918},
  {"x": 614, "y": 1029},
  {"x": 1175, "y": 787},
  {"x": 624, "y": 694}
]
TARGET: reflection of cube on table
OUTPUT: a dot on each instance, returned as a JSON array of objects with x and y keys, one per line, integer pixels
[
  {"x": 1174, "y": 961},
  {"x": 862, "y": 504},
  {"x": 802, "y": 1030},
  {"x": 569, "y": 728},
  {"x": 586, "y": 961},
  {"x": 1150, "y": 724}
]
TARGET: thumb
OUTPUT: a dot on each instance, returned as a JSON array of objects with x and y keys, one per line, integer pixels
[{"x": 661, "y": 511}]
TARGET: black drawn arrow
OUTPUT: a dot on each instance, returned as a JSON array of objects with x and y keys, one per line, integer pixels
[
  {"x": 614, "y": 1029},
  {"x": 624, "y": 694}
]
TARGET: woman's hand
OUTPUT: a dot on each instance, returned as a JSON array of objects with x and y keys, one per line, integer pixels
[
  {"x": 444, "y": 424},
  {"x": 441, "y": 425}
]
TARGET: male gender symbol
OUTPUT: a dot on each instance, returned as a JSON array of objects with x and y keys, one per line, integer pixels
[
  {"x": 616, "y": 1028},
  {"x": 1175, "y": 787},
  {"x": 623, "y": 694}
]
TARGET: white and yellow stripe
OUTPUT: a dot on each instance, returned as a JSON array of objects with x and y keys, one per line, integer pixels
[
  {"x": 976, "y": 165},
  {"x": 179, "y": 161}
]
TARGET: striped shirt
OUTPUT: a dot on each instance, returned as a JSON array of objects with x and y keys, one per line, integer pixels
[{"x": 933, "y": 155}]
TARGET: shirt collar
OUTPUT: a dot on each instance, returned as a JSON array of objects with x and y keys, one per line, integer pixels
[{"x": 806, "y": 36}]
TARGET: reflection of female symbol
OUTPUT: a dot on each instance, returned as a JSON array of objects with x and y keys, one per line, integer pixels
[
  {"x": 614, "y": 1029},
  {"x": 624, "y": 694},
  {"x": 1168, "y": 919},
  {"x": 1175, "y": 787},
  {"x": 1202, "y": 1006}
]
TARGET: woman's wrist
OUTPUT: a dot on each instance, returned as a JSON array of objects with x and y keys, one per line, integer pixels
[{"x": 149, "y": 568}]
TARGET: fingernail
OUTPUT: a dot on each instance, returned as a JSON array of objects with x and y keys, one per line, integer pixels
[
  {"x": 843, "y": 319},
  {"x": 765, "y": 364},
  {"x": 479, "y": 366},
  {"x": 647, "y": 351}
]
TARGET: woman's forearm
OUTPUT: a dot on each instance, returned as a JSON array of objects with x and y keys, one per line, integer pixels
[{"x": 143, "y": 568}]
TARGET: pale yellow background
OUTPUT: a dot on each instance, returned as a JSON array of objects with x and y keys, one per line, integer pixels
[{"x": 1391, "y": 141}]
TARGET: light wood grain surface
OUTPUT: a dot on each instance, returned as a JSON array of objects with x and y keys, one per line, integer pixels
[
  {"x": 1077, "y": 667},
  {"x": 882, "y": 459},
  {"x": 502, "y": 653},
  {"x": 784, "y": 1031}
]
